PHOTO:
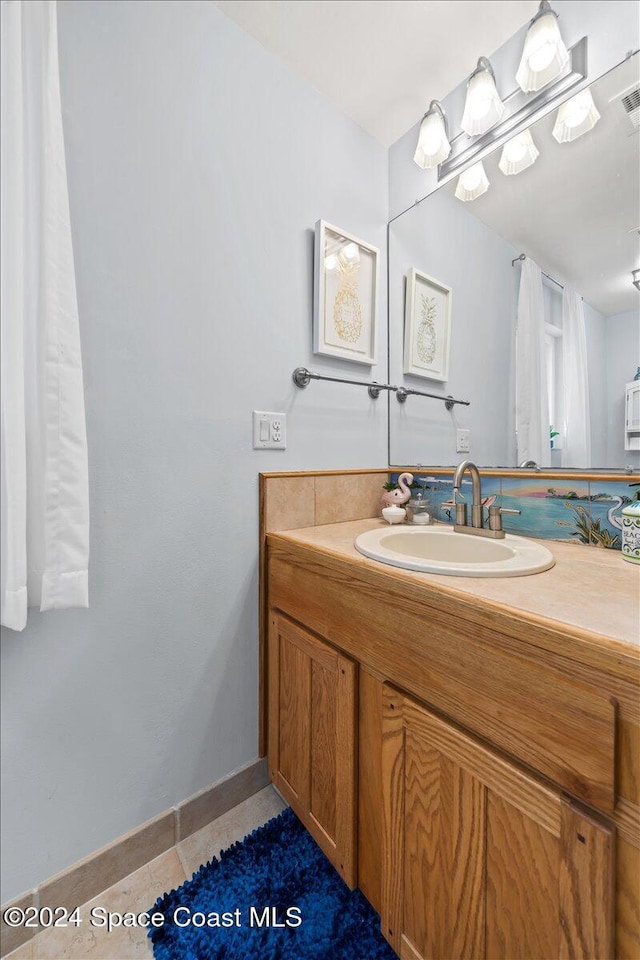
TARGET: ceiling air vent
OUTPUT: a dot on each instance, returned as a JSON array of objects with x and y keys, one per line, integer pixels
[{"x": 631, "y": 103}]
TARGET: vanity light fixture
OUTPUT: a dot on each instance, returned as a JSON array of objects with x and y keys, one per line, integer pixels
[
  {"x": 545, "y": 55},
  {"x": 518, "y": 153},
  {"x": 635, "y": 274},
  {"x": 472, "y": 183},
  {"x": 483, "y": 107},
  {"x": 433, "y": 140},
  {"x": 575, "y": 117}
]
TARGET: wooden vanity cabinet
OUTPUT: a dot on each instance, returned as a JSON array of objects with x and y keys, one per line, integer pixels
[
  {"x": 493, "y": 759},
  {"x": 480, "y": 860},
  {"x": 312, "y": 737}
]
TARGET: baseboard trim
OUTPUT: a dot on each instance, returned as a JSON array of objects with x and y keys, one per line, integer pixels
[
  {"x": 211, "y": 803},
  {"x": 87, "y": 878}
]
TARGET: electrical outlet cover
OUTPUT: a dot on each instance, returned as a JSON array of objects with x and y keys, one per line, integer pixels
[{"x": 269, "y": 430}]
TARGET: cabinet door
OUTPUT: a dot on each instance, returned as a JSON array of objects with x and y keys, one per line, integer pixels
[
  {"x": 312, "y": 737},
  {"x": 482, "y": 861}
]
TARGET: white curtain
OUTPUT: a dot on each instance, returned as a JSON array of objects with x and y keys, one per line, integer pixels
[
  {"x": 45, "y": 507},
  {"x": 576, "y": 447},
  {"x": 532, "y": 398}
]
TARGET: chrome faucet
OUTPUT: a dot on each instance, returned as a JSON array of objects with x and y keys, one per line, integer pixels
[
  {"x": 528, "y": 463},
  {"x": 476, "y": 505},
  {"x": 476, "y": 526}
]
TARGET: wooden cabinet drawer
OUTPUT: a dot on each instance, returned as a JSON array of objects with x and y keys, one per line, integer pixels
[{"x": 514, "y": 695}]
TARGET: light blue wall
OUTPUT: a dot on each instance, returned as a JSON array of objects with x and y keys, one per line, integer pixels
[
  {"x": 443, "y": 239},
  {"x": 198, "y": 166}
]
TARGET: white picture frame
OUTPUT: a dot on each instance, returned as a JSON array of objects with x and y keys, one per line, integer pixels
[
  {"x": 345, "y": 302},
  {"x": 427, "y": 327}
]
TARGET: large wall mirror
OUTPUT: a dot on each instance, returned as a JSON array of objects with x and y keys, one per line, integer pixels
[{"x": 575, "y": 212}]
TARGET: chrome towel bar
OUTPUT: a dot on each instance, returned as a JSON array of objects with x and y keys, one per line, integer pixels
[{"x": 302, "y": 377}]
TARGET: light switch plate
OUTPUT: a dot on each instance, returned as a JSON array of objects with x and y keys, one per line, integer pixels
[
  {"x": 463, "y": 440},
  {"x": 269, "y": 430}
]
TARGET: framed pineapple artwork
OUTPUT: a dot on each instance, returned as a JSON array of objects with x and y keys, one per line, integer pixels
[
  {"x": 427, "y": 327},
  {"x": 345, "y": 314}
]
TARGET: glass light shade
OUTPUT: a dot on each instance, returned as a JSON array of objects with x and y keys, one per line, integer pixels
[
  {"x": 544, "y": 56},
  {"x": 518, "y": 154},
  {"x": 483, "y": 106},
  {"x": 472, "y": 183},
  {"x": 575, "y": 117},
  {"x": 433, "y": 143}
]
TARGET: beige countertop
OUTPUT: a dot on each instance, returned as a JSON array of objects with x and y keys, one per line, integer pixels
[{"x": 589, "y": 588}]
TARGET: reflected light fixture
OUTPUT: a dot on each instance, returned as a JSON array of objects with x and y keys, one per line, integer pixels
[
  {"x": 349, "y": 254},
  {"x": 575, "y": 117},
  {"x": 545, "y": 55},
  {"x": 635, "y": 274},
  {"x": 433, "y": 140},
  {"x": 483, "y": 106},
  {"x": 518, "y": 153},
  {"x": 472, "y": 183}
]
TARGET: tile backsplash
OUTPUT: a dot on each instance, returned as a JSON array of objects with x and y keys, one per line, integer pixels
[{"x": 571, "y": 509}]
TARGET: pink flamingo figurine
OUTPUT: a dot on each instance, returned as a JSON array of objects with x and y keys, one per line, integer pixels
[{"x": 395, "y": 498}]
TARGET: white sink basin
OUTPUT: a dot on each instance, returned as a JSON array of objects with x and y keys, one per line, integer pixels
[{"x": 439, "y": 549}]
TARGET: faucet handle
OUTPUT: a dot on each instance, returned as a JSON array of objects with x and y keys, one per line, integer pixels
[
  {"x": 461, "y": 511},
  {"x": 495, "y": 516}
]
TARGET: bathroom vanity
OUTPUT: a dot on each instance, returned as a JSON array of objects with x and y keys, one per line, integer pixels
[{"x": 465, "y": 751}]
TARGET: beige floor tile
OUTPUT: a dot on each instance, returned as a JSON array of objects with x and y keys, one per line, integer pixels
[
  {"x": 206, "y": 843},
  {"x": 137, "y": 892}
]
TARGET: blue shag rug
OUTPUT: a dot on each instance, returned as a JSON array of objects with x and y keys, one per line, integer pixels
[{"x": 277, "y": 866}]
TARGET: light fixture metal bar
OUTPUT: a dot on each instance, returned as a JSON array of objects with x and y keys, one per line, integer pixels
[
  {"x": 483, "y": 64},
  {"x": 523, "y": 111}
]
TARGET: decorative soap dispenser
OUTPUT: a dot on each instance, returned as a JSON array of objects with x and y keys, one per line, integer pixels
[
  {"x": 394, "y": 514},
  {"x": 419, "y": 508}
]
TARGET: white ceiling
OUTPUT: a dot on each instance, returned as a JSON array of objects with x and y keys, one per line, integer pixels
[
  {"x": 381, "y": 61},
  {"x": 576, "y": 211}
]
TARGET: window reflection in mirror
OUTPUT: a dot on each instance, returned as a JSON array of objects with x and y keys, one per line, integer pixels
[{"x": 576, "y": 213}]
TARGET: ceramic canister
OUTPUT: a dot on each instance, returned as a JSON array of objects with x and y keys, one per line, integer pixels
[{"x": 631, "y": 532}]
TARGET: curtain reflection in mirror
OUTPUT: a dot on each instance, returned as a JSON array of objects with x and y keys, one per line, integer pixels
[
  {"x": 532, "y": 400},
  {"x": 576, "y": 449}
]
